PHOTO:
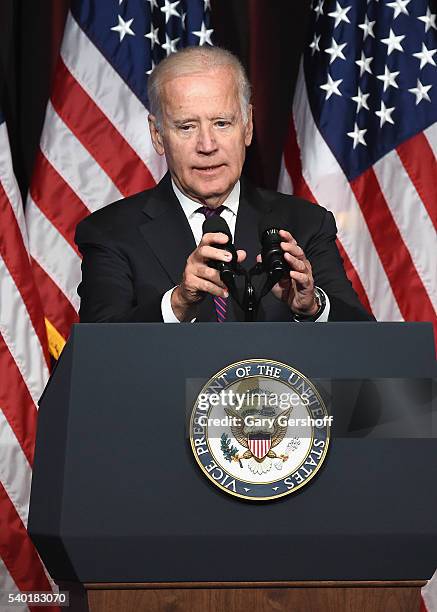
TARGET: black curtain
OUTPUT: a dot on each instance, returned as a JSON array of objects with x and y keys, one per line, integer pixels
[{"x": 268, "y": 36}]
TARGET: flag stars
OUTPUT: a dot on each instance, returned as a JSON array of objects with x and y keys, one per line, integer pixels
[
  {"x": 358, "y": 136},
  {"x": 153, "y": 36},
  {"x": 367, "y": 27},
  {"x": 425, "y": 56},
  {"x": 170, "y": 45},
  {"x": 399, "y": 6},
  {"x": 388, "y": 78},
  {"x": 331, "y": 87},
  {"x": 361, "y": 100},
  {"x": 318, "y": 9},
  {"x": 149, "y": 72},
  {"x": 393, "y": 42},
  {"x": 421, "y": 92},
  {"x": 169, "y": 9},
  {"x": 340, "y": 14},
  {"x": 314, "y": 46},
  {"x": 206, "y": 5},
  {"x": 428, "y": 20},
  {"x": 364, "y": 64},
  {"x": 123, "y": 28},
  {"x": 204, "y": 35},
  {"x": 153, "y": 4},
  {"x": 336, "y": 51},
  {"x": 385, "y": 114}
]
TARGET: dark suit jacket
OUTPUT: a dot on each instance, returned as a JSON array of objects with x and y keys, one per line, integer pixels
[{"x": 136, "y": 249}]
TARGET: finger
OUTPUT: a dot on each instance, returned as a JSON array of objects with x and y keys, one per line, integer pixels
[
  {"x": 297, "y": 264},
  {"x": 241, "y": 255},
  {"x": 293, "y": 248},
  {"x": 213, "y": 289},
  {"x": 305, "y": 281},
  {"x": 207, "y": 273},
  {"x": 210, "y": 252},
  {"x": 287, "y": 236},
  {"x": 214, "y": 238}
]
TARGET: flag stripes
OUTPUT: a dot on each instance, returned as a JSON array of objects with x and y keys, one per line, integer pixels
[{"x": 23, "y": 373}]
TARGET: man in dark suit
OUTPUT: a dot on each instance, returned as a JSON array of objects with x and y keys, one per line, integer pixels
[{"x": 140, "y": 259}]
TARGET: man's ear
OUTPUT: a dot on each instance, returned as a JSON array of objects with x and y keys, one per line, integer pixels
[
  {"x": 249, "y": 127},
  {"x": 155, "y": 135}
]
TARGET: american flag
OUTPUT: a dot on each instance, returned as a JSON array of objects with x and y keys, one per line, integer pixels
[
  {"x": 24, "y": 370},
  {"x": 363, "y": 140},
  {"x": 95, "y": 146}
]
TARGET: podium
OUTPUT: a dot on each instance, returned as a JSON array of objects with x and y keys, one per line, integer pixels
[{"x": 119, "y": 505}]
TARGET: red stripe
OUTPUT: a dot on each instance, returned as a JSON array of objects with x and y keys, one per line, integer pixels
[
  {"x": 98, "y": 135},
  {"x": 57, "y": 307},
  {"x": 408, "y": 289},
  {"x": 56, "y": 199},
  {"x": 15, "y": 256},
  {"x": 421, "y": 166},
  {"x": 300, "y": 188},
  {"x": 293, "y": 164},
  {"x": 16, "y": 402},
  {"x": 423, "y": 607},
  {"x": 18, "y": 552}
]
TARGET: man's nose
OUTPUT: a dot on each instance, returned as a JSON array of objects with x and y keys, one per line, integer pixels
[{"x": 206, "y": 142}]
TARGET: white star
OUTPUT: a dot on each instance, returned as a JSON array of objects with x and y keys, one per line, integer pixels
[
  {"x": 183, "y": 17},
  {"x": 385, "y": 114},
  {"x": 367, "y": 26},
  {"x": 336, "y": 51},
  {"x": 123, "y": 28},
  {"x": 428, "y": 20},
  {"x": 393, "y": 42},
  {"x": 207, "y": 5},
  {"x": 204, "y": 35},
  {"x": 331, "y": 87},
  {"x": 153, "y": 35},
  {"x": 149, "y": 72},
  {"x": 399, "y": 6},
  {"x": 361, "y": 100},
  {"x": 170, "y": 45},
  {"x": 364, "y": 64},
  {"x": 358, "y": 136},
  {"x": 340, "y": 14},
  {"x": 170, "y": 9},
  {"x": 315, "y": 44},
  {"x": 389, "y": 78},
  {"x": 153, "y": 4},
  {"x": 425, "y": 56},
  {"x": 318, "y": 9},
  {"x": 421, "y": 92}
]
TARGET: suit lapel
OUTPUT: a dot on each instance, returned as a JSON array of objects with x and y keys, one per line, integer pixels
[{"x": 167, "y": 230}]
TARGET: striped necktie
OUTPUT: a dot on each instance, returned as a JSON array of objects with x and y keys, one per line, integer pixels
[{"x": 220, "y": 303}]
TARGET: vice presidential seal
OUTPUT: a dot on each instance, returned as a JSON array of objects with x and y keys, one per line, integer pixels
[{"x": 259, "y": 429}]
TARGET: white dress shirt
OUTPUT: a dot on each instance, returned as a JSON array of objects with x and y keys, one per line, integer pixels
[{"x": 196, "y": 219}]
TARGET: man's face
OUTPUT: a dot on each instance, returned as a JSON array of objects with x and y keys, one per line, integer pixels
[{"x": 203, "y": 135}]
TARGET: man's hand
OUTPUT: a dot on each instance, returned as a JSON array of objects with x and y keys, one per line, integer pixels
[
  {"x": 199, "y": 279},
  {"x": 298, "y": 289}
]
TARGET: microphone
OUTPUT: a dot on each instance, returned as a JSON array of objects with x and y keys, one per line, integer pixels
[
  {"x": 273, "y": 261},
  {"x": 227, "y": 269}
]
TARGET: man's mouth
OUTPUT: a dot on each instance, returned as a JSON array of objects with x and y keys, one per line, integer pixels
[{"x": 208, "y": 169}]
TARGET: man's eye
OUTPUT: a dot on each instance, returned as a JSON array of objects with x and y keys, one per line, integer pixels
[
  {"x": 222, "y": 124},
  {"x": 186, "y": 128}
]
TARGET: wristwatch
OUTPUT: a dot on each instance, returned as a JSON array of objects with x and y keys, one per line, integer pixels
[{"x": 321, "y": 303}]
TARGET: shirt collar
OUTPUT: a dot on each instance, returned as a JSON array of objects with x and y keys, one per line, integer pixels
[{"x": 190, "y": 206}]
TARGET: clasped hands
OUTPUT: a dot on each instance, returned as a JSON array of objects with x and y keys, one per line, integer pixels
[{"x": 199, "y": 278}]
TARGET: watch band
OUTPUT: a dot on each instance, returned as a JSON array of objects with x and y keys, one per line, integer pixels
[{"x": 321, "y": 301}]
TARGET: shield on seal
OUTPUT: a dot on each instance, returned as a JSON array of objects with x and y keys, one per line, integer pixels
[{"x": 259, "y": 444}]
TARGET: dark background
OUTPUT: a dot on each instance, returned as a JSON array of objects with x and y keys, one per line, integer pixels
[{"x": 267, "y": 35}]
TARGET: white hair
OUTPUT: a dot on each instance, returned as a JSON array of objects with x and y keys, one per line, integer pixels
[{"x": 192, "y": 60}]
